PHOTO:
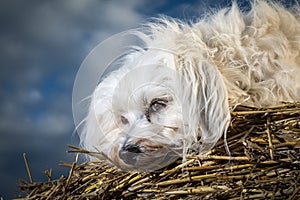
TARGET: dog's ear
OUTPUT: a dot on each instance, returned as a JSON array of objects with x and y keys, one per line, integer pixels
[{"x": 206, "y": 110}]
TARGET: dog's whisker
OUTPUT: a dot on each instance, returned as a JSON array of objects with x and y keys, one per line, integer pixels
[{"x": 88, "y": 98}]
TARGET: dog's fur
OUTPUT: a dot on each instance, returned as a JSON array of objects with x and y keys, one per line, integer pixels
[{"x": 175, "y": 96}]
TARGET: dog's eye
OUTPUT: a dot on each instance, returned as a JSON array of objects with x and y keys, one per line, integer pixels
[
  {"x": 157, "y": 105},
  {"x": 124, "y": 120}
]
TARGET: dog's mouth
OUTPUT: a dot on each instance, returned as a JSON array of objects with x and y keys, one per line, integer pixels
[{"x": 147, "y": 156}]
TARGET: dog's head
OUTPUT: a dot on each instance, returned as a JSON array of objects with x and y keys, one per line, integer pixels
[
  {"x": 135, "y": 117},
  {"x": 155, "y": 109}
]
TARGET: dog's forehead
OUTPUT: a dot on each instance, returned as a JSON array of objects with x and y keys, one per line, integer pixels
[
  {"x": 156, "y": 57},
  {"x": 152, "y": 57},
  {"x": 143, "y": 94},
  {"x": 150, "y": 75}
]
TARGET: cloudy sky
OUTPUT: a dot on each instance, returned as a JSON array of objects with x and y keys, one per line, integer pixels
[{"x": 42, "y": 44}]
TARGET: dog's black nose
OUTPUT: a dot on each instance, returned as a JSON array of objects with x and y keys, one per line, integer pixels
[
  {"x": 130, "y": 153},
  {"x": 132, "y": 148}
]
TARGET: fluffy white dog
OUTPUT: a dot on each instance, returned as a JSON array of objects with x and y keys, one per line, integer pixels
[{"x": 175, "y": 96}]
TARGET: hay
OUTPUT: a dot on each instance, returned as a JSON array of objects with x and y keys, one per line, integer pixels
[{"x": 264, "y": 164}]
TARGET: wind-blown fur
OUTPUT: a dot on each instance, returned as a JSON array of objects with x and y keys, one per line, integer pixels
[{"x": 175, "y": 96}]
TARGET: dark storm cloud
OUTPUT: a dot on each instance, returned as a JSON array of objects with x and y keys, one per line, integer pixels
[{"x": 43, "y": 40}]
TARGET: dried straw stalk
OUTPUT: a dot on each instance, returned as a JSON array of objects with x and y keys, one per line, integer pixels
[{"x": 264, "y": 164}]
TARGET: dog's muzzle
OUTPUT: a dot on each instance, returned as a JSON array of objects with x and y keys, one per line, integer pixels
[{"x": 141, "y": 156}]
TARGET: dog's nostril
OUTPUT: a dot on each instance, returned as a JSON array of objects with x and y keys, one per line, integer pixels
[{"x": 132, "y": 148}]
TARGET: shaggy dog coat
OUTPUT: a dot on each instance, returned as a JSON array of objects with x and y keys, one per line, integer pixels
[{"x": 225, "y": 59}]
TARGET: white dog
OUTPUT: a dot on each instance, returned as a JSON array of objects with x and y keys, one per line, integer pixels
[{"x": 175, "y": 96}]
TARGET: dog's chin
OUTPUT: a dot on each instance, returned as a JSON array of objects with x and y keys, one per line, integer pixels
[{"x": 150, "y": 161}]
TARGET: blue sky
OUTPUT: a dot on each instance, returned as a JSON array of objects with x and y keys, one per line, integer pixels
[{"x": 42, "y": 46}]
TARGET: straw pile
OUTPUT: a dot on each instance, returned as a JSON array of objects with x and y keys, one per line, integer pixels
[{"x": 264, "y": 164}]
